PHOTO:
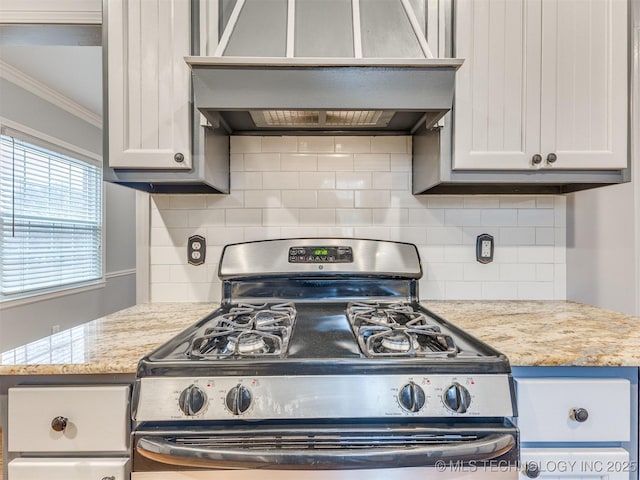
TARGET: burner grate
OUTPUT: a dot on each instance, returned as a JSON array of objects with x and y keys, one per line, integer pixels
[
  {"x": 247, "y": 331},
  {"x": 395, "y": 329}
]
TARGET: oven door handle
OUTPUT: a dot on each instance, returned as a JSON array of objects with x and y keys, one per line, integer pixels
[{"x": 162, "y": 450}]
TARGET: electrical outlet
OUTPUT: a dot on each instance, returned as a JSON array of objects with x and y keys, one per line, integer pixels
[
  {"x": 484, "y": 248},
  {"x": 196, "y": 250}
]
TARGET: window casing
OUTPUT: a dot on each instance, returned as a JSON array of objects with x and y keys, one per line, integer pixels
[{"x": 50, "y": 217}]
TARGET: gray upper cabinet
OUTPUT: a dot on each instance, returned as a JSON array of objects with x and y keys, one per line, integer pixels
[
  {"x": 544, "y": 85},
  {"x": 541, "y": 101},
  {"x": 154, "y": 140}
]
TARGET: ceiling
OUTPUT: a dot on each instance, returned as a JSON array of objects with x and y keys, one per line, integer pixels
[{"x": 75, "y": 72}]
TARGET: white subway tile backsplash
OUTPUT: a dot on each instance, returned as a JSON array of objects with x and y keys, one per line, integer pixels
[
  {"x": 415, "y": 235},
  {"x": 335, "y": 162},
  {"x": 480, "y": 201},
  {"x": 517, "y": 202},
  {"x": 353, "y": 180},
  {"x": 377, "y": 233},
  {"x": 281, "y": 216},
  {"x": 373, "y": 199},
  {"x": 281, "y": 180},
  {"x": 390, "y": 144},
  {"x": 355, "y": 144},
  {"x": 223, "y": 236},
  {"x": 292, "y": 187},
  {"x": 446, "y": 202},
  {"x": 444, "y": 235},
  {"x": 336, "y": 199},
  {"x": 316, "y": 144},
  {"x": 390, "y": 216},
  {"x": 262, "y": 198},
  {"x": 261, "y": 162},
  {"x": 444, "y": 271},
  {"x": 279, "y": 144},
  {"x": 353, "y": 216},
  {"x": 391, "y": 181},
  {"x": 545, "y": 236},
  {"x": 423, "y": 216},
  {"x": 400, "y": 162},
  {"x": 318, "y": 180},
  {"x": 246, "y": 144},
  {"x": 463, "y": 290},
  {"x": 300, "y": 198},
  {"x": 236, "y": 162},
  {"x": 481, "y": 272},
  {"x": 462, "y": 217},
  {"x": 536, "y": 218},
  {"x": 246, "y": 181},
  {"x": 517, "y": 272},
  {"x": 204, "y": 218},
  {"x": 245, "y": 216},
  {"x": 318, "y": 216},
  {"x": 188, "y": 202},
  {"x": 517, "y": 236},
  {"x": 499, "y": 290},
  {"x": 372, "y": 162},
  {"x": 500, "y": 217},
  {"x": 299, "y": 162}
]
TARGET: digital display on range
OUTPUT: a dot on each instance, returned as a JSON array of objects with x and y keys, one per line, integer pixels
[{"x": 320, "y": 255}]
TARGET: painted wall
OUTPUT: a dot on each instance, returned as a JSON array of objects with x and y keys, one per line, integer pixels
[
  {"x": 603, "y": 251},
  {"x": 359, "y": 187},
  {"x": 23, "y": 323}
]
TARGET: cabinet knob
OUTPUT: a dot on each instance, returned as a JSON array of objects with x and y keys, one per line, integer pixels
[
  {"x": 579, "y": 414},
  {"x": 536, "y": 159},
  {"x": 178, "y": 157},
  {"x": 531, "y": 470},
  {"x": 59, "y": 423},
  {"x": 551, "y": 158}
]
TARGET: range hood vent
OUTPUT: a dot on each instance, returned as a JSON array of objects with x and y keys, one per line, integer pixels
[{"x": 321, "y": 67}]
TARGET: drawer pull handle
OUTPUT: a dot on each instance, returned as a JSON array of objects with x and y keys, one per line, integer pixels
[
  {"x": 59, "y": 423},
  {"x": 110, "y": 477},
  {"x": 579, "y": 414},
  {"x": 531, "y": 470}
]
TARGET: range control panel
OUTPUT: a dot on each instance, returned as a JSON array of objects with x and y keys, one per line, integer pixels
[
  {"x": 320, "y": 255},
  {"x": 323, "y": 396}
]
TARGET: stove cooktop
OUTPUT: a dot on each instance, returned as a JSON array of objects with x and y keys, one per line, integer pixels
[{"x": 322, "y": 337}]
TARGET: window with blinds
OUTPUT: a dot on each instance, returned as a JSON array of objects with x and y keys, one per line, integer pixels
[{"x": 50, "y": 217}]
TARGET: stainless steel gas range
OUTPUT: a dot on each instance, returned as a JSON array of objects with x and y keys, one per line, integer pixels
[{"x": 320, "y": 358}]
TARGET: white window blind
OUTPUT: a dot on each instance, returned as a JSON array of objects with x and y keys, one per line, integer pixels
[{"x": 50, "y": 216}]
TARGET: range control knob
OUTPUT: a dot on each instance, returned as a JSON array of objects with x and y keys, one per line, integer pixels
[
  {"x": 411, "y": 397},
  {"x": 238, "y": 399},
  {"x": 192, "y": 400},
  {"x": 457, "y": 398}
]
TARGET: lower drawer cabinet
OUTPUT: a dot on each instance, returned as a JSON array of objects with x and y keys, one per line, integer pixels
[
  {"x": 576, "y": 464},
  {"x": 69, "y": 469}
]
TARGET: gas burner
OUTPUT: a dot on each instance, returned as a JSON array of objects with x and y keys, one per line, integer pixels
[
  {"x": 246, "y": 330},
  {"x": 396, "y": 329}
]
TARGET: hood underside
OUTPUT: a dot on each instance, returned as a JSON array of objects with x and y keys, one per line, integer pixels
[
  {"x": 322, "y": 66},
  {"x": 309, "y": 96}
]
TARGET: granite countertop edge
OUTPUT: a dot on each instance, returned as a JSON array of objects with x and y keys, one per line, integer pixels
[{"x": 529, "y": 333}]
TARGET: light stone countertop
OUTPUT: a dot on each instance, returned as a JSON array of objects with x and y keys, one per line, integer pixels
[{"x": 541, "y": 333}]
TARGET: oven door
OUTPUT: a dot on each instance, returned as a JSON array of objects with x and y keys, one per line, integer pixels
[{"x": 344, "y": 452}]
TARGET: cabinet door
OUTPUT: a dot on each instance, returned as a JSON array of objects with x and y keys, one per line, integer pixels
[
  {"x": 148, "y": 83},
  {"x": 584, "y": 83},
  {"x": 577, "y": 463},
  {"x": 69, "y": 468},
  {"x": 497, "y": 96}
]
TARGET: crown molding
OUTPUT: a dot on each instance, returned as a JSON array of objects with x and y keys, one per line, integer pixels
[
  {"x": 85, "y": 12},
  {"x": 45, "y": 92}
]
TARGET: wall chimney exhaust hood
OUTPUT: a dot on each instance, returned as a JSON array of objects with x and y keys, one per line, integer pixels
[{"x": 287, "y": 67}]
